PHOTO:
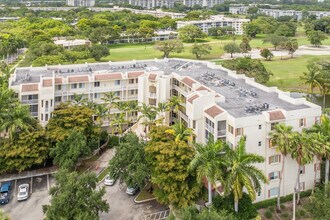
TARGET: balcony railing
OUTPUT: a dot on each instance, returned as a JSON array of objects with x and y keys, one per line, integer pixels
[
  {"x": 34, "y": 114},
  {"x": 32, "y": 101},
  {"x": 209, "y": 128},
  {"x": 152, "y": 95},
  {"x": 221, "y": 132}
]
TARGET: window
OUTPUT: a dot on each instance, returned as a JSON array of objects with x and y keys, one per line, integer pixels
[
  {"x": 96, "y": 84},
  {"x": 132, "y": 92},
  {"x": 260, "y": 126},
  {"x": 259, "y": 143},
  {"x": 302, "y": 122},
  {"x": 74, "y": 86},
  {"x": 58, "y": 99},
  {"x": 117, "y": 82},
  {"x": 270, "y": 143},
  {"x": 302, "y": 169},
  {"x": 194, "y": 124},
  {"x": 81, "y": 85},
  {"x": 274, "y": 175},
  {"x": 58, "y": 87},
  {"x": 46, "y": 117},
  {"x": 175, "y": 82},
  {"x": 273, "y": 192},
  {"x": 259, "y": 193},
  {"x": 209, "y": 124},
  {"x": 117, "y": 93},
  {"x": 46, "y": 104},
  {"x": 42, "y": 103},
  {"x": 274, "y": 159},
  {"x": 272, "y": 125},
  {"x": 42, "y": 117},
  {"x": 230, "y": 129},
  {"x": 51, "y": 102},
  {"x": 96, "y": 95},
  {"x": 239, "y": 131},
  {"x": 136, "y": 80},
  {"x": 131, "y": 81}
]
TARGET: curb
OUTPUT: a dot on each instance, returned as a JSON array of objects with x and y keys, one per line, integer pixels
[{"x": 142, "y": 201}]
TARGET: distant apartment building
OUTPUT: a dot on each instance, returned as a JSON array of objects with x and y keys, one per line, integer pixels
[
  {"x": 216, "y": 21},
  {"x": 5, "y": 19},
  {"x": 70, "y": 43},
  {"x": 276, "y": 13},
  {"x": 80, "y": 3},
  {"x": 203, "y": 3},
  {"x": 217, "y": 104},
  {"x": 149, "y": 4},
  {"x": 158, "y": 36}
]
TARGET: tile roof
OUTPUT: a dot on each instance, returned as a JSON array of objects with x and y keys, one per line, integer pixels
[
  {"x": 135, "y": 74},
  {"x": 152, "y": 76},
  {"x": 78, "y": 79},
  {"x": 47, "y": 82},
  {"x": 58, "y": 80},
  {"x": 213, "y": 111},
  {"x": 188, "y": 81},
  {"x": 202, "y": 88},
  {"x": 191, "y": 99},
  {"x": 276, "y": 115},
  {"x": 108, "y": 76},
  {"x": 30, "y": 87}
]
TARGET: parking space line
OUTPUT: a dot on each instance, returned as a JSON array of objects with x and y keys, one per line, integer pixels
[
  {"x": 15, "y": 190},
  {"x": 31, "y": 185}
]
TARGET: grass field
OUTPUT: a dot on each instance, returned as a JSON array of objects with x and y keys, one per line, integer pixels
[{"x": 287, "y": 72}]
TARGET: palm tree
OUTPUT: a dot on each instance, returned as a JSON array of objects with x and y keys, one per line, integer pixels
[
  {"x": 208, "y": 162},
  {"x": 79, "y": 99},
  {"x": 117, "y": 124},
  {"x": 282, "y": 138},
  {"x": 18, "y": 119},
  {"x": 175, "y": 103},
  {"x": 302, "y": 153},
  {"x": 162, "y": 108},
  {"x": 181, "y": 132},
  {"x": 109, "y": 99},
  {"x": 242, "y": 173},
  {"x": 100, "y": 111},
  {"x": 132, "y": 106},
  {"x": 148, "y": 113},
  {"x": 324, "y": 82},
  {"x": 323, "y": 131},
  {"x": 311, "y": 77}
]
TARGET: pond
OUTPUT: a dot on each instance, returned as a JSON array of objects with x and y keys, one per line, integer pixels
[{"x": 315, "y": 98}]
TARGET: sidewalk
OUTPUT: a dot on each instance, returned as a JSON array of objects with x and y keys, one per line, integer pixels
[{"x": 28, "y": 174}]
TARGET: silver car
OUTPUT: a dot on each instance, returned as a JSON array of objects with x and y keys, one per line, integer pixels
[
  {"x": 132, "y": 190},
  {"x": 109, "y": 181},
  {"x": 23, "y": 192}
]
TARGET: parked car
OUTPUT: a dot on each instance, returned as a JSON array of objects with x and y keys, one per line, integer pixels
[
  {"x": 23, "y": 192},
  {"x": 109, "y": 180},
  {"x": 131, "y": 190},
  {"x": 5, "y": 192}
]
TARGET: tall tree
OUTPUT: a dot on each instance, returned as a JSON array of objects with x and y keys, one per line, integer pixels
[
  {"x": 275, "y": 40},
  {"x": 232, "y": 48},
  {"x": 191, "y": 33},
  {"x": 169, "y": 46},
  {"x": 316, "y": 37},
  {"x": 323, "y": 79},
  {"x": 311, "y": 77},
  {"x": 148, "y": 115},
  {"x": 169, "y": 161},
  {"x": 242, "y": 173},
  {"x": 245, "y": 44},
  {"x": 282, "y": 139},
  {"x": 129, "y": 164},
  {"x": 291, "y": 45},
  {"x": 200, "y": 50},
  {"x": 209, "y": 162},
  {"x": 266, "y": 54},
  {"x": 67, "y": 152},
  {"x": 99, "y": 51},
  {"x": 303, "y": 154},
  {"x": 75, "y": 196},
  {"x": 181, "y": 132}
]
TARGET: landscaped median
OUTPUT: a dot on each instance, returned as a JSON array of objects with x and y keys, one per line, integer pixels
[
  {"x": 145, "y": 194},
  {"x": 102, "y": 174}
]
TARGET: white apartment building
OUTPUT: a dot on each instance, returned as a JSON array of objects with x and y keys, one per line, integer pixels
[
  {"x": 216, "y": 103},
  {"x": 240, "y": 10},
  {"x": 203, "y": 3},
  {"x": 217, "y": 21},
  {"x": 149, "y": 4},
  {"x": 80, "y": 3}
]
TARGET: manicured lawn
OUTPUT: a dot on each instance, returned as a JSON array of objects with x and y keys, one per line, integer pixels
[
  {"x": 144, "y": 194},
  {"x": 103, "y": 174},
  {"x": 287, "y": 72}
]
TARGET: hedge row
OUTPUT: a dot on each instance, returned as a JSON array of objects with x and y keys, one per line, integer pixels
[{"x": 273, "y": 201}]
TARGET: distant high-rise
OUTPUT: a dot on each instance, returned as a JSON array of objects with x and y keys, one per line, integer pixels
[{"x": 80, "y": 3}]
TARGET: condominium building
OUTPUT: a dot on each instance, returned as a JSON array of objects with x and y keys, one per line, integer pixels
[
  {"x": 276, "y": 13},
  {"x": 217, "y": 104},
  {"x": 203, "y": 3},
  {"x": 216, "y": 21},
  {"x": 149, "y": 4},
  {"x": 80, "y": 3}
]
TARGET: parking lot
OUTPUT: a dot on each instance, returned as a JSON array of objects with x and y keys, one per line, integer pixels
[
  {"x": 31, "y": 208},
  {"x": 122, "y": 206}
]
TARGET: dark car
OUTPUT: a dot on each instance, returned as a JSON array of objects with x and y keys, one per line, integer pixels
[{"x": 5, "y": 192}]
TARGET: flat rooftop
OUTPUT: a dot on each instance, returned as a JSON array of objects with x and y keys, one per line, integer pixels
[{"x": 238, "y": 94}]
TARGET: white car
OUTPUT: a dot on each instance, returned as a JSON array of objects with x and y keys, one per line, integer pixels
[
  {"x": 23, "y": 192},
  {"x": 109, "y": 181}
]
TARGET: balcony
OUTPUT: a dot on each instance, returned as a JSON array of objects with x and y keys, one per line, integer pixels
[
  {"x": 209, "y": 128},
  {"x": 34, "y": 114},
  {"x": 221, "y": 133}
]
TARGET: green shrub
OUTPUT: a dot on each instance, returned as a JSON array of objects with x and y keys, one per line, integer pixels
[
  {"x": 246, "y": 210},
  {"x": 113, "y": 141},
  {"x": 301, "y": 212},
  {"x": 268, "y": 214},
  {"x": 272, "y": 209},
  {"x": 282, "y": 206},
  {"x": 284, "y": 214}
]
